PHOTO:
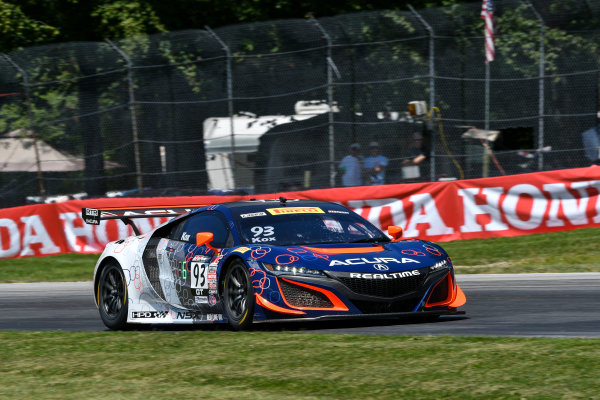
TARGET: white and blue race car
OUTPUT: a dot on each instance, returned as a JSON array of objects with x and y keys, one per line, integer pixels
[{"x": 264, "y": 260}]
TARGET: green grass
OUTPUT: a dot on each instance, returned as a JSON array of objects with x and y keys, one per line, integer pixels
[
  {"x": 61, "y": 268},
  {"x": 569, "y": 251},
  {"x": 276, "y": 365},
  {"x": 259, "y": 365}
]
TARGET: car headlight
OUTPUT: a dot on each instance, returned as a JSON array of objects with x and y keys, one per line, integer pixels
[
  {"x": 277, "y": 269},
  {"x": 439, "y": 266}
]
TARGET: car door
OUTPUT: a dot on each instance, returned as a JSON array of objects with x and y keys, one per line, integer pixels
[{"x": 187, "y": 276}]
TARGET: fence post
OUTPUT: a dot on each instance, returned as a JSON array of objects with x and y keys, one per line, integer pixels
[
  {"x": 229, "y": 102},
  {"x": 330, "y": 68},
  {"x": 540, "y": 143},
  {"x": 134, "y": 126},
  {"x": 431, "y": 86},
  {"x": 40, "y": 176}
]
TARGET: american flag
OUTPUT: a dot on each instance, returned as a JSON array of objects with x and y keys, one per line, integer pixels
[{"x": 487, "y": 14}]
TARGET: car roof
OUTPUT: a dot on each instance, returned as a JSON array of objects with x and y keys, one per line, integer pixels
[{"x": 244, "y": 205}]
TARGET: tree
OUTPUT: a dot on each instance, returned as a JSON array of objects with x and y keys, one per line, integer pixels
[
  {"x": 123, "y": 18},
  {"x": 19, "y": 30},
  {"x": 41, "y": 21}
]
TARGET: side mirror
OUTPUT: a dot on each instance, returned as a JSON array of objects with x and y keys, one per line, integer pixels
[
  {"x": 395, "y": 232},
  {"x": 204, "y": 239}
]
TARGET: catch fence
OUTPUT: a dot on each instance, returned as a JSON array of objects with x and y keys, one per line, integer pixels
[{"x": 274, "y": 106}]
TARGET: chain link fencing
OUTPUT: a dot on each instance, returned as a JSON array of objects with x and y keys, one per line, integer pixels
[{"x": 274, "y": 106}]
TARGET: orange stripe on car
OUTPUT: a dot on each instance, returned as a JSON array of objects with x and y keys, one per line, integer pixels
[
  {"x": 261, "y": 301},
  {"x": 345, "y": 250},
  {"x": 338, "y": 305},
  {"x": 460, "y": 298}
]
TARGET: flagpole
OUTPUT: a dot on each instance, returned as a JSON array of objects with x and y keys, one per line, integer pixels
[
  {"x": 487, "y": 14},
  {"x": 485, "y": 171}
]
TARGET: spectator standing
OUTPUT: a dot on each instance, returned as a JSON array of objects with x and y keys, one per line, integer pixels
[
  {"x": 351, "y": 167},
  {"x": 417, "y": 154},
  {"x": 591, "y": 144},
  {"x": 374, "y": 166}
]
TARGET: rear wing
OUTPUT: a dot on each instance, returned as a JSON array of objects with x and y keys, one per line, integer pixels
[{"x": 93, "y": 216}]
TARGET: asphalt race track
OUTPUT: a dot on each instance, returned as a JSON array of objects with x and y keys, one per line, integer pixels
[{"x": 550, "y": 305}]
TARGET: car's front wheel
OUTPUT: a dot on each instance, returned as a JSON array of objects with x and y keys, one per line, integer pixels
[
  {"x": 238, "y": 296},
  {"x": 112, "y": 296}
]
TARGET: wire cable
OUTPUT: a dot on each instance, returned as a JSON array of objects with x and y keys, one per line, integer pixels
[{"x": 444, "y": 142}]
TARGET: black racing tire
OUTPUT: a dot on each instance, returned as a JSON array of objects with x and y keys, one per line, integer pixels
[
  {"x": 238, "y": 296},
  {"x": 112, "y": 297}
]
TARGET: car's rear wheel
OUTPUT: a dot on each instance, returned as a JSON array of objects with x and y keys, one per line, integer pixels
[
  {"x": 238, "y": 296},
  {"x": 112, "y": 297}
]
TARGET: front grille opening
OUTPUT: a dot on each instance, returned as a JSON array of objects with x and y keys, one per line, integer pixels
[
  {"x": 383, "y": 287},
  {"x": 372, "y": 307},
  {"x": 301, "y": 297}
]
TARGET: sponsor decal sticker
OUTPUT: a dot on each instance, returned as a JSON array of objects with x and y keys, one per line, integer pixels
[
  {"x": 376, "y": 260},
  {"x": 189, "y": 315},
  {"x": 295, "y": 210},
  {"x": 148, "y": 314},
  {"x": 255, "y": 214},
  {"x": 393, "y": 275},
  {"x": 215, "y": 261},
  {"x": 241, "y": 250}
]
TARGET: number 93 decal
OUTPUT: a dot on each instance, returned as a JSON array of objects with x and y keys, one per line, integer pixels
[
  {"x": 199, "y": 271},
  {"x": 263, "y": 234}
]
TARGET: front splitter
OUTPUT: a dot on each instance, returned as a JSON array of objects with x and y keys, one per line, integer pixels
[{"x": 364, "y": 316}]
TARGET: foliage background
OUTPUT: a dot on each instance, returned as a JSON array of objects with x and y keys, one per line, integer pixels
[
  {"x": 80, "y": 61},
  {"x": 26, "y": 23}
]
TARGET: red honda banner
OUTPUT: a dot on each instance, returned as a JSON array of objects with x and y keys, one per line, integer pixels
[{"x": 437, "y": 211}]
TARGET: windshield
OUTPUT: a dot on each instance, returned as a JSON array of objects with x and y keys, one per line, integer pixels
[{"x": 285, "y": 226}]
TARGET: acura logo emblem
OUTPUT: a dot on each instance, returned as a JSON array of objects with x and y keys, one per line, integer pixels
[{"x": 381, "y": 267}]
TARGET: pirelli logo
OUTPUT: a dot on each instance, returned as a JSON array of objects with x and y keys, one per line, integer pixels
[{"x": 295, "y": 210}]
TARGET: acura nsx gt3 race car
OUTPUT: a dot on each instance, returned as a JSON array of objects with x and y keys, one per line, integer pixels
[{"x": 264, "y": 260}]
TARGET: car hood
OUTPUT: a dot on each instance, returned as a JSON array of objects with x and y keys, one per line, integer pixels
[{"x": 364, "y": 257}]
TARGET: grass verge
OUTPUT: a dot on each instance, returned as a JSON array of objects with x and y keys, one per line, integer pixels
[
  {"x": 569, "y": 251},
  {"x": 258, "y": 365},
  {"x": 61, "y": 268}
]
